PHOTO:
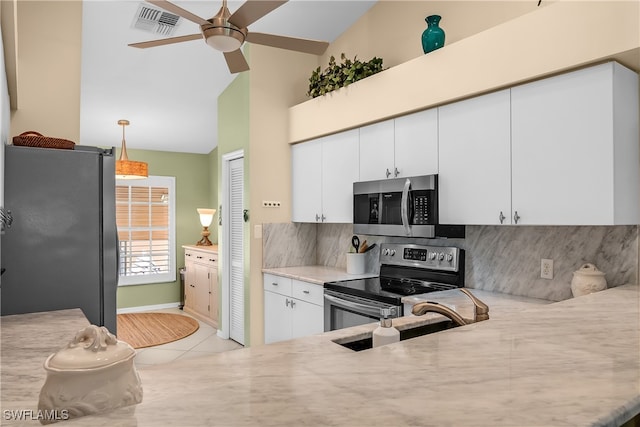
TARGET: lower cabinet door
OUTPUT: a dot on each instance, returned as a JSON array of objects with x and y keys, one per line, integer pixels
[
  {"x": 213, "y": 294},
  {"x": 201, "y": 303},
  {"x": 308, "y": 319},
  {"x": 277, "y": 317},
  {"x": 189, "y": 286}
]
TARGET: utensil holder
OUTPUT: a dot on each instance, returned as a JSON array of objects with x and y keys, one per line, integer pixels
[{"x": 355, "y": 263}]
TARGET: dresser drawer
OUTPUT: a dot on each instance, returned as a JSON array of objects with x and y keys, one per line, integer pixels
[
  {"x": 201, "y": 257},
  {"x": 309, "y": 292},
  {"x": 277, "y": 284}
]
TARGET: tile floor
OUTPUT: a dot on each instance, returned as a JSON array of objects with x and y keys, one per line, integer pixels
[{"x": 202, "y": 342}]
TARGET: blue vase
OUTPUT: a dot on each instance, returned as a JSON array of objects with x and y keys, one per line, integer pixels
[{"x": 433, "y": 36}]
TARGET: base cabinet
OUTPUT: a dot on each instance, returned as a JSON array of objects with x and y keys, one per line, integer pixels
[
  {"x": 292, "y": 309},
  {"x": 201, "y": 283}
]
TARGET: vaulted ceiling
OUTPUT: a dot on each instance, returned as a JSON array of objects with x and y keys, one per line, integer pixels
[{"x": 169, "y": 93}]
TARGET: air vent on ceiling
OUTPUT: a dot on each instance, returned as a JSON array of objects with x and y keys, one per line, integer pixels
[{"x": 155, "y": 21}]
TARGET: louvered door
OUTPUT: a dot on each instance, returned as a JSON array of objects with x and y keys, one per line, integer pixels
[{"x": 236, "y": 303}]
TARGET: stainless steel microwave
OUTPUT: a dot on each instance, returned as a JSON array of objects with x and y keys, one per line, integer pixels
[{"x": 404, "y": 207}]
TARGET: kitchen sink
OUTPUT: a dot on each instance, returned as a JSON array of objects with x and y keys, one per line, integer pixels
[{"x": 405, "y": 334}]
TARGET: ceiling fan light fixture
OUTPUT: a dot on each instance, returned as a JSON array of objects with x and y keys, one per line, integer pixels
[{"x": 224, "y": 39}]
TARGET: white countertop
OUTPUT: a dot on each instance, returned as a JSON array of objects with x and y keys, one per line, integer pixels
[
  {"x": 317, "y": 274},
  {"x": 572, "y": 363}
]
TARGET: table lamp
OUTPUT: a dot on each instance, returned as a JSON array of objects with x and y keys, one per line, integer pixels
[{"x": 206, "y": 216}]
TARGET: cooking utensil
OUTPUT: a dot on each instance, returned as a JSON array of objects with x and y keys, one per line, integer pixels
[
  {"x": 355, "y": 242},
  {"x": 369, "y": 248},
  {"x": 363, "y": 247}
]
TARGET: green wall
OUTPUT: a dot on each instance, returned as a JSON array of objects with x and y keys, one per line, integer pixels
[
  {"x": 233, "y": 135},
  {"x": 196, "y": 187}
]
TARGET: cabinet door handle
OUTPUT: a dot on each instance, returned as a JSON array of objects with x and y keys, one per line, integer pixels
[
  {"x": 293, "y": 303},
  {"x": 305, "y": 291},
  {"x": 287, "y": 302},
  {"x": 396, "y": 172},
  {"x": 323, "y": 218},
  {"x": 187, "y": 254},
  {"x": 516, "y": 217},
  {"x": 274, "y": 284},
  {"x": 501, "y": 217},
  {"x": 199, "y": 257},
  {"x": 317, "y": 218},
  {"x": 388, "y": 173}
]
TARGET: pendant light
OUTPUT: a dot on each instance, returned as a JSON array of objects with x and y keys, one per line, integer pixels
[{"x": 125, "y": 168}]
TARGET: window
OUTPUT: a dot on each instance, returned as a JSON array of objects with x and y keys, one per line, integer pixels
[{"x": 145, "y": 216}]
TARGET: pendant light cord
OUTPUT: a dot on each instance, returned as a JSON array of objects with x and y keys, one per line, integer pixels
[{"x": 123, "y": 151}]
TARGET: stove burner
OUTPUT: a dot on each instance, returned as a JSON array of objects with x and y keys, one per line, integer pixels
[{"x": 404, "y": 286}]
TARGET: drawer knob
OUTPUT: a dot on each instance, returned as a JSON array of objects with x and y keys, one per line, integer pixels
[
  {"x": 305, "y": 291},
  {"x": 274, "y": 284}
]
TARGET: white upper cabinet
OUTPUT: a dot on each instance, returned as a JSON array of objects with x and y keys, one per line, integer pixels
[
  {"x": 405, "y": 146},
  {"x": 306, "y": 181},
  {"x": 323, "y": 173},
  {"x": 558, "y": 151},
  {"x": 575, "y": 148},
  {"x": 376, "y": 151},
  {"x": 474, "y": 182},
  {"x": 340, "y": 169},
  {"x": 416, "y": 143}
]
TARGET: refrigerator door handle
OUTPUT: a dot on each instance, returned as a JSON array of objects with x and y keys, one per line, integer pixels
[{"x": 117, "y": 256}]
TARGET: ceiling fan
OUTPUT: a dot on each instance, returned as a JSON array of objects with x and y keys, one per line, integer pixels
[{"x": 227, "y": 32}]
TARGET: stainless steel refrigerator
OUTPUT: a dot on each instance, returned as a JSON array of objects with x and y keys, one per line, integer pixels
[{"x": 61, "y": 249}]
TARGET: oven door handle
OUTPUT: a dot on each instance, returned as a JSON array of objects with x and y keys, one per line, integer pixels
[
  {"x": 404, "y": 209},
  {"x": 362, "y": 308}
]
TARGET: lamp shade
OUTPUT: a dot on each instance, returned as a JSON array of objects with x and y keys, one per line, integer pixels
[
  {"x": 206, "y": 216},
  {"x": 129, "y": 169}
]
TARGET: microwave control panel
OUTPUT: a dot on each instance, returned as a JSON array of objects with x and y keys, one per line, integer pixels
[{"x": 421, "y": 209}]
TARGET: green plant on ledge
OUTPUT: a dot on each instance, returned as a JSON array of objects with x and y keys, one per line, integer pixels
[{"x": 336, "y": 75}]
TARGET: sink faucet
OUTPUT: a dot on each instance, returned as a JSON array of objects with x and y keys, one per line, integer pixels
[{"x": 481, "y": 310}]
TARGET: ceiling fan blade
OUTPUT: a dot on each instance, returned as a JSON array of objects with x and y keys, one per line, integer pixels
[
  {"x": 236, "y": 61},
  {"x": 177, "y": 10},
  {"x": 171, "y": 40},
  {"x": 252, "y": 10},
  {"x": 314, "y": 47}
]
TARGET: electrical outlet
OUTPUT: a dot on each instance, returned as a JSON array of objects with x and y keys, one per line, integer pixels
[
  {"x": 270, "y": 204},
  {"x": 546, "y": 268}
]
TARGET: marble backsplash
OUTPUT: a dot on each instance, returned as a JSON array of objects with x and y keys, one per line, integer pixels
[{"x": 498, "y": 258}]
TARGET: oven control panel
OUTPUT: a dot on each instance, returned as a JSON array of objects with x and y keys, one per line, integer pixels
[{"x": 410, "y": 255}]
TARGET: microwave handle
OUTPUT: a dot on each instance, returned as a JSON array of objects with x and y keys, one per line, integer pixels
[{"x": 404, "y": 210}]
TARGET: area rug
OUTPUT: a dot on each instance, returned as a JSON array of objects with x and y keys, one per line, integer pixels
[{"x": 141, "y": 330}]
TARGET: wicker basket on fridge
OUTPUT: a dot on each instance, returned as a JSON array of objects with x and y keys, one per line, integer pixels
[{"x": 35, "y": 139}]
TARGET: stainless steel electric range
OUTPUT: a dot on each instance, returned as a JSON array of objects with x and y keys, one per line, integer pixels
[{"x": 405, "y": 269}]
